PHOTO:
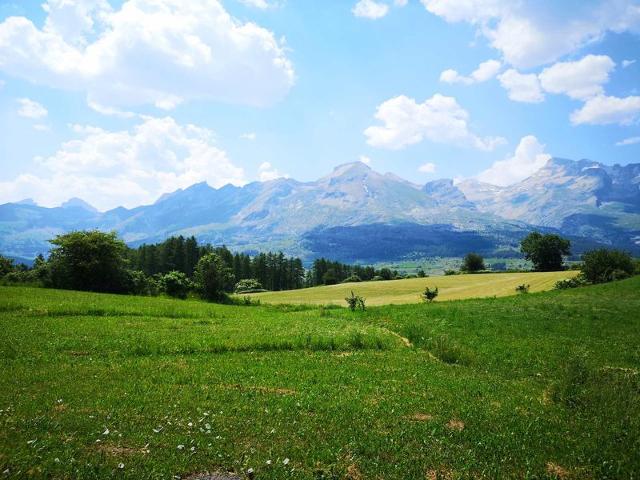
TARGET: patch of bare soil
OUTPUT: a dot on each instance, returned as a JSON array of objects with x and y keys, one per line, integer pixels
[
  {"x": 420, "y": 417},
  {"x": 457, "y": 425},
  {"x": 557, "y": 471}
]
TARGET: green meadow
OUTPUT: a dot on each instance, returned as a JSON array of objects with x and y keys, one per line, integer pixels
[
  {"x": 453, "y": 287},
  {"x": 542, "y": 385}
]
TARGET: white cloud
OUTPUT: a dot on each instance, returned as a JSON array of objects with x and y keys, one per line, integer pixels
[
  {"x": 31, "y": 109},
  {"x": 370, "y": 9},
  {"x": 261, "y": 4},
  {"x": 364, "y": 159},
  {"x": 528, "y": 158},
  {"x": 127, "y": 168},
  {"x": 627, "y": 63},
  {"x": 534, "y": 32},
  {"x": 400, "y": 3},
  {"x": 427, "y": 168},
  {"x": 159, "y": 52},
  {"x": 604, "y": 110},
  {"x": 628, "y": 141},
  {"x": 41, "y": 127},
  {"x": 521, "y": 87},
  {"x": 438, "y": 119},
  {"x": 485, "y": 71},
  {"x": 251, "y": 136},
  {"x": 581, "y": 79},
  {"x": 266, "y": 172}
]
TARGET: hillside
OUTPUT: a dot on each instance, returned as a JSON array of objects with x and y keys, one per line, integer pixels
[
  {"x": 453, "y": 287},
  {"x": 357, "y": 214},
  {"x": 543, "y": 385}
]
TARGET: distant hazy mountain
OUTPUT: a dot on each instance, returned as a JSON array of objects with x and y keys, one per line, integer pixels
[{"x": 355, "y": 213}]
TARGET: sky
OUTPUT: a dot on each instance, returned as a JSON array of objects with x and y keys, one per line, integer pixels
[{"x": 119, "y": 101}]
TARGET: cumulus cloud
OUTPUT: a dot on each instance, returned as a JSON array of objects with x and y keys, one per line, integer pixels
[
  {"x": 364, "y": 159},
  {"x": 31, "y": 109},
  {"x": 266, "y": 172},
  {"x": 261, "y": 4},
  {"x": 627, "y": 63},
  {"x": 528, "y": 158},
  {"x": 129, "y": 167},
  {"x": 628, "y": 141},
  {"x": 521, "y": 87},
  {"x": 485, "y": 71},
  {"x": 370, "y": 9},
  {"x": 427, "y": 168},
  {"x": 604, "y": 110},
  {"x": 530, "y": 33},
  {"x": 159, "y": 52},
  {"x": 439, "y": 119},
  {"x": 579, "y": 80}
]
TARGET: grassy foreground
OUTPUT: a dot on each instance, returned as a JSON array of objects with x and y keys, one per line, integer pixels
[
  {"x": 533, "y": 386},
  {"x": 454, "y": 287}
]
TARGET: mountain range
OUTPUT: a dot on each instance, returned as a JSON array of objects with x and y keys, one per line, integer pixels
[{"x": 358, "y": 214}]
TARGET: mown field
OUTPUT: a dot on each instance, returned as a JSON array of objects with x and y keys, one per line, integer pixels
[
  {"x": 543, "y": 385},
  {"x": 454, "y": 287}
]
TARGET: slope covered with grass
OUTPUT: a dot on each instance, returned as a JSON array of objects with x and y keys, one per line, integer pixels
[
  {"x": 542, "y": 385},
  {"x": 454, "y": 287}
]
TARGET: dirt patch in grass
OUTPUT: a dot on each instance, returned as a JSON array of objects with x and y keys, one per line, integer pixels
[
  {"x": 212, "y": 476},
  {"x": 441, "y": 473},
  {"x": 354, "y": 473},
  {"x": 419, "y": 417},
  {"x": 455, "y": 425},
  {"x": 121, "y": 451},
  {"x": 75, "y": 353},
  {"x": 557, "y": 471},
  {"x": 261, "y": 389}
]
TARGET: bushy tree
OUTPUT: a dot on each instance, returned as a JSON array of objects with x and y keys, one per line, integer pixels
[
  {"x": 355, "y": 302},
  {"x": 386, "y": 274},
  {"x": 352, "y": 279},
  {"x": 604, "y": 265},
  {"x": 330, "y": 277},
  {"x": 429, "y": 295},
  {"x": 545, "y": 251},
  {"x": 175, "y": 284},
  {"x": 213, "y": 278},
  {"x": 248, "y": 285},
  {"x": 6, "y": 266},
  {"x": 89, "y": 260},
  {"x": 421, "y": 273},
  {"x": 472, "y": 263}
]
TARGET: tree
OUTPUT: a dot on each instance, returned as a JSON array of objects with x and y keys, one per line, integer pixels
[
  {"x": 545, "y": 251},
  {"x": 473, "y": 263},
  {"x": 248, "y": 285},
  {"x": 604, "y": 265},
  {"x": 330, "y": 277},
  {"x": 89, "y": 260},
  {"x": 6, "y": 266},
  {"x": 429, "y": 295},
  {"x": 213, "y": 277},
  {"x": 175, "y": 284}
]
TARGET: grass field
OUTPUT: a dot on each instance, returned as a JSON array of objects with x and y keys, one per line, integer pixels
[
  {"x": 453, "y": 287},
  {"x": 544, "y": 385}
]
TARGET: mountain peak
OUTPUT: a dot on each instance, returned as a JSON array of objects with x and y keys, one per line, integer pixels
[
  {"x": 27, "y": 201},
  {"x": 351, "y": 169},
  {"x": 76, "y": 202}
]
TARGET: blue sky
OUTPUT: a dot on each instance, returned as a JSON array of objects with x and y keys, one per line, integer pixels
[{"x": 119, "y": 101}]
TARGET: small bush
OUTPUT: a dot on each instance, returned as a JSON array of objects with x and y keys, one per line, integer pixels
[
  {"x": 175, "y": 284},
  {"x": 524, "y": 288},
  {"x": 355, "y": 302},
  {"x": 429, "y": 295},
  {"x": 248, "y": 285},
  {"x": 351, "y": 279},
  {"x": 566, "y": 283},
  {"x": 377, "y": 278},
  {"x": 450, "y": 272}
]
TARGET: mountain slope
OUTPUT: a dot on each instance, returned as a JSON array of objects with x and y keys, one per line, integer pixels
[{"x": 356, "y": 213}]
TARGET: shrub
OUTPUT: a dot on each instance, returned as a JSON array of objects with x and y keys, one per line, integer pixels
[
  {"x": 377, "y": 278},
  {"x": 213, "y": 278},
  {"x": 604, "y": 265},
  {"x": 175, "y": 284},
  {"x": 248, "y": 285},
  {"x": 6, "y": 266},
  {"x": 141, "y": 284},
  {"x": 420, "y": 273},
  {"x": 330, "y": 277},
  {"x": 429, "y": 295},
  {"x": 524, "y": 288},
  {"x": 472, "y": 263},
  {"x": 566, "y": 283},
  {"x": 355, "y": 302},
  {"x": 352, "y": 278},
  {"x": 450, "y": 272}
]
